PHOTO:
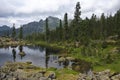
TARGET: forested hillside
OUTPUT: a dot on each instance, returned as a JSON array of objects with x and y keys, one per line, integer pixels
[
  {"x": 96, "y": 40},
  {"x": 83, "y": 30}
]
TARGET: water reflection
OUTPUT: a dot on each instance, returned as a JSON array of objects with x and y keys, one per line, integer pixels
[
  {"x": 21, "y": 48},
  {"x": 21, "y": 53},
  {"x": 38, "y": 56},
  {"x": 14, "y": 54}
]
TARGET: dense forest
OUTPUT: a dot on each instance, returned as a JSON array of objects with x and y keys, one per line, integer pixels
[
  {"x": 60, "y": 49},
  {"x": 95, "y": 40},
  {"x": 81, "y": 30}
]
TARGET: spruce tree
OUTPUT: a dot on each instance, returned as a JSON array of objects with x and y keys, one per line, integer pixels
[
  {"x": 76, "y": 21},
  {"x": 66, "y": 27},
  {"x": 47, "y": 30},
  {"x": 21, "y": 33},
  {"x": 13, "y": 32},
  {"x": 77, "y": 13},
  {"x": 102, "y": 22},
  {"x": 60, "y": 30}
]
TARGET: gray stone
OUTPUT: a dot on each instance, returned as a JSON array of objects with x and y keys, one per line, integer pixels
[
  {"x": 3, "y": 75},
  {"x": 38, "y": 75},
  {"x": 70, "y": 58},
  {"x": 61, "y": 59},
  {"x": 116, "y": 77},
  {"x": 43, "y": 78},
  {"x": 30, "y": 67}
]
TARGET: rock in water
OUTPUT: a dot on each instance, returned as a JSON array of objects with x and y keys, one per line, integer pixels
[
  {"x": 28, "y": 62},
  {"x": 61, "y": 59},
  {"x": 70, "y": 58},
  {"x": 22, "y": 53}
]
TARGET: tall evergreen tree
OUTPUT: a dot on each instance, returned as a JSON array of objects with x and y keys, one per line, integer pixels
[
  {"x": 60, "y": 30},
  {"x": 21, "y": 33},
  {"x": 47, "y": 32},
  {"x": 102, "y": 22},
  {"x": 76, "y": 21},
  {"x": 13, "y": 31},
  {"x": 117, "y": 22},
  {"x": 77, "y": 13},
  {"x": 66, "y": 26},
  {"x": 93, "y": 27}
]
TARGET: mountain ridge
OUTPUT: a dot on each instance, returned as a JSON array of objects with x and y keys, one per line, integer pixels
[{"x": 33, "y": 27}]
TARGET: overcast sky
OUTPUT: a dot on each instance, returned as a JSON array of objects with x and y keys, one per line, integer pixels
[{"x": 24, "y": 11}]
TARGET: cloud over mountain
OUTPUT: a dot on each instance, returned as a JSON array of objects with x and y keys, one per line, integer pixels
[{"x": 22, "y": 11}]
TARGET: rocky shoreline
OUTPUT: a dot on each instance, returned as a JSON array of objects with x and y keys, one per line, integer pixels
[
  {"x": 27, "y": 71},
  {"x": 103, "y": 75},
  {"x": 24, "y": 71}
]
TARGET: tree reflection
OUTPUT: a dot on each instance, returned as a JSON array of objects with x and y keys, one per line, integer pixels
[
  {"x": 21, "y": 48},
  {"x": 14, "y": 54},
  {"x": 21, "y": 53},
  {"x": 46, "y": 58}
]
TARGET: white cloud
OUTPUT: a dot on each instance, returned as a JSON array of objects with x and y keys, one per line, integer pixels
[{"x": 24, "y": 11}]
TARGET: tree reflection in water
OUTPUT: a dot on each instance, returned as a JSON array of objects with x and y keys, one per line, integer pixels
[
  {"x": 14, "y": 54},
  {"x": 21, "y": 53}
]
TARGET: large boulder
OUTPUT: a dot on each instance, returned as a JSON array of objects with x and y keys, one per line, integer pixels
[
  {"x": 70, "y": 58},
  {"x": 61, "y": 59}
]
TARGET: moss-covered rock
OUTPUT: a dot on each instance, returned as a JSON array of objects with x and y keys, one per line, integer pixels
[
  {"x": 70, "y": 58},
  {"x": 22, "y": 53},
  {"x": 61, "y": 59}
]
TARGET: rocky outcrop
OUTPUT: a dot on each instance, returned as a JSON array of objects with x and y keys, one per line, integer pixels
[
  {"x": 104, "y": 75},
  {"x": 27, "y": 71},
  {"x": 24, "y": 71}
]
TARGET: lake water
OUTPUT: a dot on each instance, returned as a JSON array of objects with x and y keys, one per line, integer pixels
[
  {"x": 36, "y": 55},
  {"x": 40, "y": 57}
]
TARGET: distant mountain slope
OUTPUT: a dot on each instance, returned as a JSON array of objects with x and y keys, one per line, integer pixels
[
  {"x": 4, "y": 30},
  {"x": 35, "y": 27},
  {"x": 32, "y": 27},
  {"x": 53, "y": 22}
]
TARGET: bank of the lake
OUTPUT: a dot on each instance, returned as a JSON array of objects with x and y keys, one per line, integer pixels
[
  {"x": 106, "y": 56},
  {"x": 102, "y": 55},
  {"x": 27, "y": 71},
  {"x": 6, "y": 41}
]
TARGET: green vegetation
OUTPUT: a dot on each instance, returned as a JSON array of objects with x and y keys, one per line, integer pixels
[
  {"x": 64, "y": 73},
  {"x": 95, "y": 40},
  {"x": 101, "y": 55}
]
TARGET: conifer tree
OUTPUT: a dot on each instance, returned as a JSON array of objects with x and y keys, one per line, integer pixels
[
  {"x": 102, "y": 22},
  {"x": 77, "y": 13},
  {"x": 47, "y": 30},
  {"x": 60, "y": 30},
  {"x": 66, "y": 26},
  {"x": 13, "y": 32},
  {"x": 21, "y": 33},
  {"x": 76, "y": 21}
]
